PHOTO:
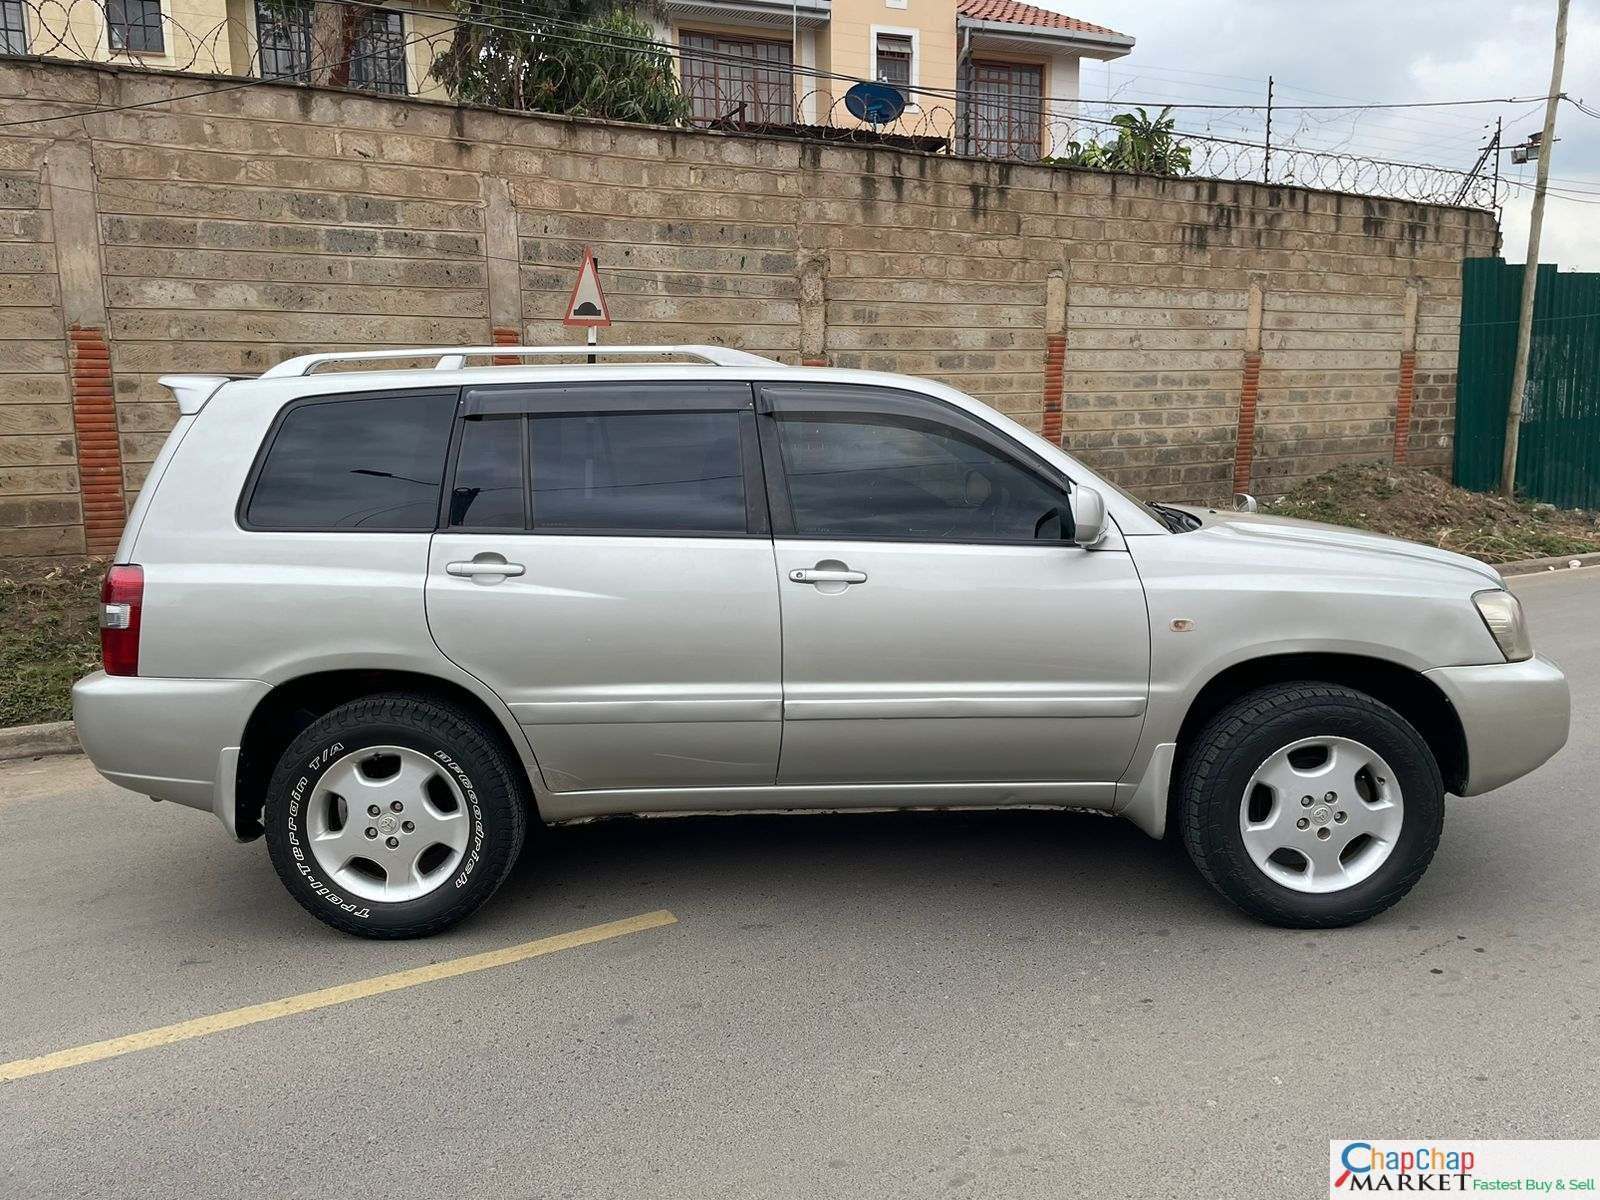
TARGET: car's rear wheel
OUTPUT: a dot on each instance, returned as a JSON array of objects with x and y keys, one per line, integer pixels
[
  {"x": 1311, "y": 805},
  {"x": 394, "y": 816}
]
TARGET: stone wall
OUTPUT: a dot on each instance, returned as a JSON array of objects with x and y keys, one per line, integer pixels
[{"x": 1184, "y": 336}]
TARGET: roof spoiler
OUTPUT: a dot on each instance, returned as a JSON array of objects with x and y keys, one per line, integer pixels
[{"x": 192, "y": 391}]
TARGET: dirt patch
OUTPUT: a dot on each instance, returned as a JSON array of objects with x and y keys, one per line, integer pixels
[
  {"x": 49, "y": 639},
  {"x": 1421, "y": 507}
]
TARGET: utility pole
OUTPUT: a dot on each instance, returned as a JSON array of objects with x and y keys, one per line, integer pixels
[
  {"x": 1266, "y": 160},
  {"x": 1530, "y": 271}
]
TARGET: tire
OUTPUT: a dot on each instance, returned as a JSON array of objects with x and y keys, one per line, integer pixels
[
  {"x": 1235, "y": 800},
  {"x": 424, "y": 808}
]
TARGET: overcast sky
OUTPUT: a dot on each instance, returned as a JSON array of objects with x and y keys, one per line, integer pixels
[{"x": 1221, "y": 51}]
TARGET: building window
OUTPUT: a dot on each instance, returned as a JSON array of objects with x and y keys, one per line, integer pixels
[
  {"x": 135, "y": 26},
  {"x": 1001, "y": 109},
  {"x": 13, "y": 28},
  {"x": 892, "y": 62},
  {"x": 730, "y": 79},
  {"x": 283, "y": 30},
  {"x": 378, "y": 57}
]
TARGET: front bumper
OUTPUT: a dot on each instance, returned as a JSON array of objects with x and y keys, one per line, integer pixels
[
  {"x": 1515, "y": 716},
  {"x": 172, "y": 739}
]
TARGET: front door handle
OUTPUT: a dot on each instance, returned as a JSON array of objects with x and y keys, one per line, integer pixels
[
  {"x": 827, "y": 575},
  {"x": 484, "y": 565}
]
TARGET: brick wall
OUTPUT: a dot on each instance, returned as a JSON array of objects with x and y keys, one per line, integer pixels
[{"x": 225, "y": 232}]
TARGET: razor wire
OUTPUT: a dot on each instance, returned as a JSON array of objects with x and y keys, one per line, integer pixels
[{"x": 392, "y": 50}]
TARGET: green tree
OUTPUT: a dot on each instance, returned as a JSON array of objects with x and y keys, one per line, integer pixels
[
  {"x": 576, "y": 57},
  {"x": 1144, "y": 144}
]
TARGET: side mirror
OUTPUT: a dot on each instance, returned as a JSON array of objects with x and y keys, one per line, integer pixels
[
  {"x": 1244, "y": 502},
  {"x": 1088, "y": 517}
]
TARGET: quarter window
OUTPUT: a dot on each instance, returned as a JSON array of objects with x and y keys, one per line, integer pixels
[
  {"x": 488, "y": 492},
  {"x": 372, "y": 464},
  {"x": 673, "y": 472},
  {"x": 900, "y": 478}
]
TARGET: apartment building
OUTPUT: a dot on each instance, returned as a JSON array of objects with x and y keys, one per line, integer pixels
[
  {"x": 996, "y": 78},
  {"x": 385, "y": 50}
]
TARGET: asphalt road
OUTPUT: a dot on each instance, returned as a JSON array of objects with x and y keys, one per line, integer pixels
[{"x": 1005, "y": 1004}]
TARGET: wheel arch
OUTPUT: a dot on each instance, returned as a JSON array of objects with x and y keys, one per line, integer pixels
[
  {"x": 293, "y": 704},
  {"x": 1408, "y": 692}
]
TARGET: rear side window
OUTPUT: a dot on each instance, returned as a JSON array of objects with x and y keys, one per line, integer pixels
[
  {"x": 372, "y": 464},
  {"x": 675, "y": 472}
]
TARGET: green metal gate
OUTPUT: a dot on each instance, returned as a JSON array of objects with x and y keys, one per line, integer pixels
[{"x": 1558, "y": 456}]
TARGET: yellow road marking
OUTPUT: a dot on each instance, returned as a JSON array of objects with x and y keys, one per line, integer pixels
[{"x": 307, "y": 1001}]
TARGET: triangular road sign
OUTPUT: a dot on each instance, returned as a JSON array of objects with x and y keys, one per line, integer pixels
[{"x": 587, "y": 307}]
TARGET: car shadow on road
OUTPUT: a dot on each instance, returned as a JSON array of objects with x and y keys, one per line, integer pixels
[{"x": 986, "y": 867}]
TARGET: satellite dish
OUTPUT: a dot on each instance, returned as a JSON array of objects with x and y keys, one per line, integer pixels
[{"x": 875, "y": 103}]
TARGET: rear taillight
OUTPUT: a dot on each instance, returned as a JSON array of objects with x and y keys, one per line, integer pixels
[{"x": 121, "y": 598}]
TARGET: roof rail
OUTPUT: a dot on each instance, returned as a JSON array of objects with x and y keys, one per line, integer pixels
[{"x": 453, "y": 358}]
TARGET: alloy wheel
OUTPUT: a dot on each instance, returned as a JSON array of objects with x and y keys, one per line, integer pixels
[{"x": 1321, "y": 814}]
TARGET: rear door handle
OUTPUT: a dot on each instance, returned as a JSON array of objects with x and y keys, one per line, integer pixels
[
  {"x": 826, "y": 575},
  {"x": 481, "y": 566}
]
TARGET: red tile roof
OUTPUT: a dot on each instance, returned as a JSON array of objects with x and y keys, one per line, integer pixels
[{"x": 1012, "y": 12}]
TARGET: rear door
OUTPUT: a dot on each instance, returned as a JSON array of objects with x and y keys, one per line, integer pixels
[
  {"x": 604, "y": 564},
  {"x": 939, "y": 626}
]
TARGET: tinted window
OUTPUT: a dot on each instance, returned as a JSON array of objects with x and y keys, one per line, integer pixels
[
  {"x": 667, "y": 471},
  {"x": 369, "y": 464},
  {"x": 876, "y": 476},
  {"x": 487, "y": 493}
]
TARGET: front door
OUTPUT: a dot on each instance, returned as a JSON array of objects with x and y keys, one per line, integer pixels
[
  {"x": 938, "y": 626},
  {"x": 605, "y": 566}
]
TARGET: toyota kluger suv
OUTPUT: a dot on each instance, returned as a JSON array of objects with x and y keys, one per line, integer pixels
[{"x": 389, "y": 615}]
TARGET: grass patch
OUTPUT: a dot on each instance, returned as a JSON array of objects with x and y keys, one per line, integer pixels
[
  {"x": 49, "y": 639},
  {"x": 1421, "y": 507}
]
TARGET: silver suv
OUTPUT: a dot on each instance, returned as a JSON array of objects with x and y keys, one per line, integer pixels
[{"x": 386, "y": 617}]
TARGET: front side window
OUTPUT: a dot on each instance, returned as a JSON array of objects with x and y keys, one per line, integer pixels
[
  {"x": 370, "y": 464},
  {"x": 13, "y": 28},
  {"x": 135, "y": 25},
  {"x": 676, "y": 472},
  {"x": 283, "y": 30},
  {"x": 872, "y": 475},
  {"x": 736, "y": 79}
]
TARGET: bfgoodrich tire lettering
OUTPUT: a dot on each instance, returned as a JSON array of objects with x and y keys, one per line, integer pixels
[
  {"x": 1233, "y": 746},
  {"x": 487, "y": 803}
]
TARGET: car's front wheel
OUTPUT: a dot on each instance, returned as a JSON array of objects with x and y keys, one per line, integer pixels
[
  {"x": 1311, "y": 805},
  {"x": 394, "y": 816}
]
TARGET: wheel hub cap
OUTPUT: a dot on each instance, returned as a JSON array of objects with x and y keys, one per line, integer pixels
[
  {"x": 387, "y": 823},
  {"x": 1321, "y": 814}
]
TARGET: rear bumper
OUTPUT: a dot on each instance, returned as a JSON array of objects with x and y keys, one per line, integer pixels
[
  {"x": 1515, "y": 716},
  {"x": 173, "y": 739}
]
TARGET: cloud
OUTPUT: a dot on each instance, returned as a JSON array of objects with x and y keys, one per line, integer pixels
[{"x": 1221, "y": 51}]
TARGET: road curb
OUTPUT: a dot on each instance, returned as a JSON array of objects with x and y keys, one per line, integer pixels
[
  {"x": 31, "y": 741},
  {"x": 1561, "y": 562}
]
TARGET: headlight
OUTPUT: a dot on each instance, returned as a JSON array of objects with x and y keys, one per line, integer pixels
[{"x": 1502, "y": 613}]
